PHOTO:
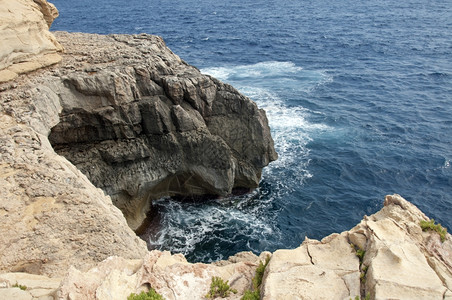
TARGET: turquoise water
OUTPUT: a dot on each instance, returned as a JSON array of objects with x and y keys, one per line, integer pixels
[{"x": 358, "y": 96}]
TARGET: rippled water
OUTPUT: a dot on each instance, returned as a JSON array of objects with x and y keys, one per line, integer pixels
[{"x": 358, "y": 96}]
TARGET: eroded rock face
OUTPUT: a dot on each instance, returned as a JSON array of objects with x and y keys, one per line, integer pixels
[
  {"x": 316, "y": 270},
  {"x": 26, "y": 43},
  {"x": 141, "y": 124}
]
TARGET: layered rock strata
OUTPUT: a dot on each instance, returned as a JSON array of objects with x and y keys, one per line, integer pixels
[
  {"x": 26, "y": 43},
  {"x": 140, "y": 123}
]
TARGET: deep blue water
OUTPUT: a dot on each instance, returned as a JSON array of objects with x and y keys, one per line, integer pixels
[{"x": 359, "y": 100}]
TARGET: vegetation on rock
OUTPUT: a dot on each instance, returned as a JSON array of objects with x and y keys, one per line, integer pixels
[
  {"x": 219, "y": 288},
  {"x": 22, "y": 287},
  {"x": 430, "y": 225},
  {"x": 359, "y": 252},
  {"x": 257, "y": 281},
  {"x": 150, "y": 295},
  {"x": 359, "y": 298}
]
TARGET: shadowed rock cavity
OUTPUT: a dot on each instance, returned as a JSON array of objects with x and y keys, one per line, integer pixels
[{"x": 140, "y": 123}]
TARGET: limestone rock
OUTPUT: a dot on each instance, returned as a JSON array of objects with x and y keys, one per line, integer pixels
[
  {"x": 170, "y": 275},
  {"x": 316, "y": 270},
  {"x": 35, "y": 286},
  {"x": 51, "y": 215},
  {"x": 26, "y": 44},
  {"x": 400, "y": 261},
  {"x": 141, "y": 124},
  {"x": 114, "y": 278}
]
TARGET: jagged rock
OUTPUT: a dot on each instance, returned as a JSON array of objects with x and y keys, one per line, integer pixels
[
  {"x": 400, "y": 261},
  {"x": 34, "y": 286},
  {"x": 26, "y": 44},
  {"x": 141, "y": 124}
]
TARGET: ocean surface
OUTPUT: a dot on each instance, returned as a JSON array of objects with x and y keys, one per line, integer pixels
[{"x": 358, "y": 96}]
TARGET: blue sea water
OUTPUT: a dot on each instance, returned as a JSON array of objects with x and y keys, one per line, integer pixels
[{"x": 358, "y": 96}]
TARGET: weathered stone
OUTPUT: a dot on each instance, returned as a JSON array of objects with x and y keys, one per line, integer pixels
[
  {"x": 170, "y": 275},
  {"x": 26, "y": 20},
  {"x": 142, "y": 124},
  {"x": 52, "y": 216},
  {"x": 31, "y": 281},
  {"x": 305, "y": 272},
  {"x": 15, "y": 293},
  {"x": 400, "y": 262},
  {"x": 114, "y": 278}
]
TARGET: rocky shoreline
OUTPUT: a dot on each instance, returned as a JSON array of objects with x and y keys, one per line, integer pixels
[
  {"x": 89, "y": 136},
  {"x": 386, "y": 256}
]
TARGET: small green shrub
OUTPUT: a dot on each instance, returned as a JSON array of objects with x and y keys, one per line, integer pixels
[
  {"x": 363, "y": 274},
  {"x": 257, "y": 281},
  {"x": 150, "y": 295},
  {"x": 360, "y": 253},
  {"x": 219, "y": 288},
  {"x": 22, "y": 287},
  {"x": 359, "y": 298},
  {"x": 430, "y": 225},
  {"x": 251, "y": 295}
]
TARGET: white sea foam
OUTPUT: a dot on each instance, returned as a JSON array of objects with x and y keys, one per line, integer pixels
[
  {"x": 184, "y": 226},
  {"x": 291, "y": 129}
]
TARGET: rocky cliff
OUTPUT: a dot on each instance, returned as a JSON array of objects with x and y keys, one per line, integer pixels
[
  {"x": 140, "y": 123},
  {"x": 128, "y": 115},
  {"x": 125, "y": 114},
  {"x": 26, "y": 43}
]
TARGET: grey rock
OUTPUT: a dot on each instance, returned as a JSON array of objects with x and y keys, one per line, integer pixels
[{"x": 140, "y": 123}]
